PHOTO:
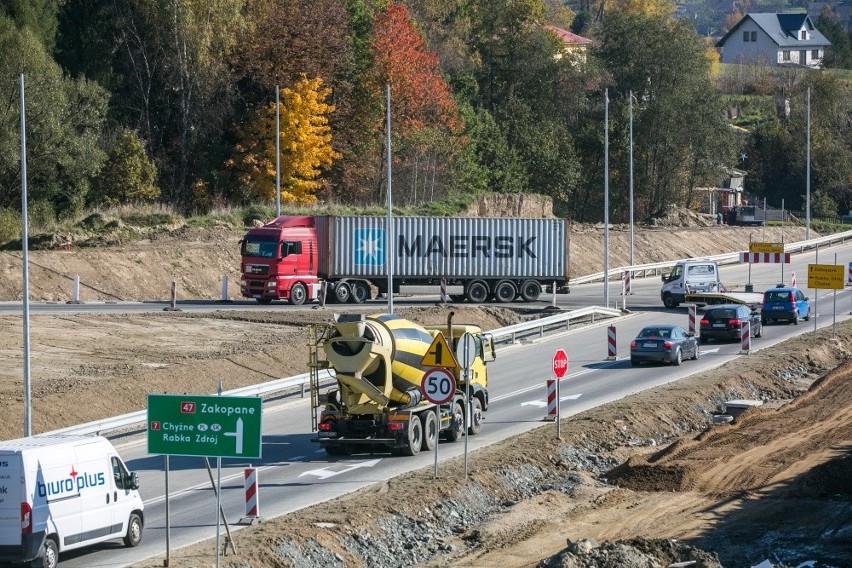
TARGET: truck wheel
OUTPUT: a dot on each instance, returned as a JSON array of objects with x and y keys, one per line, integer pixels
[
  {"x": 430, "y": 430},
  {"x": 455, "y": 429},
  {"x": 505, "y": 292},
  {"x": 530, "y": 290},
  {"x": 360, "y": 292},
  {"x": 264, "y": 301},
  {"x": 134, "y": 531},
  {"x": 669, "y": 301},
  {"x": 477, "y": 292},
  {"x": 415, "y": 437},
  {"x": 49, "y": 555},
  {"x": 342, "y": 292},
  {"x": 475, "y": 417},
  {"x": 298, "y": 294}
]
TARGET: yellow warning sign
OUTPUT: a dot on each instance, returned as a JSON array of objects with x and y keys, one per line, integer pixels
[
  {"x": 825, "y": 276},
  {"x": 766, "y": 247},
  {"x": 439, "y": 354}
]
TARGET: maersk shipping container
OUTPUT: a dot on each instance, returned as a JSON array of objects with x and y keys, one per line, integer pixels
[{"x": 455, "y": 248}]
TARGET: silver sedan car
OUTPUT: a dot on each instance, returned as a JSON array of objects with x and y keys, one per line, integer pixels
[{"x": 663, "y": 344}]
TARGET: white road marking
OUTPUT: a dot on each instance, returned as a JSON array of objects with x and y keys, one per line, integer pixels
[{"x": 327, "y": 472}]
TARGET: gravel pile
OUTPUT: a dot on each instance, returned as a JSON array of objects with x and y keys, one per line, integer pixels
[
  {"x": 403, "y": 540},
  {"x": 636, "y": 553}
]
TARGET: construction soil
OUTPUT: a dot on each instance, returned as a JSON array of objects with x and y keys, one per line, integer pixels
[{"x": 774, "y": 484}]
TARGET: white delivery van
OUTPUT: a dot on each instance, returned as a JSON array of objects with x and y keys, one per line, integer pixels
[{"x": 59, "y": 493}]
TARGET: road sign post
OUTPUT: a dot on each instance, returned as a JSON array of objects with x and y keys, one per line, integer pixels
[
  {"x": 465, "y": 354},
  {"x": 439, "y": 387},
  {"x": 560, "y": 368},
  {"x": 207, "y": 426}
]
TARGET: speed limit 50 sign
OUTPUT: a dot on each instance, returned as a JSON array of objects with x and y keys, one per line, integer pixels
[{"x": 438, "y": 385}]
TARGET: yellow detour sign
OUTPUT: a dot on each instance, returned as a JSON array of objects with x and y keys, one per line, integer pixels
[
  {"x": 826, "y": 276},
  {"x": 766, "y": 247},
  {"x": 439, "y": 354}
]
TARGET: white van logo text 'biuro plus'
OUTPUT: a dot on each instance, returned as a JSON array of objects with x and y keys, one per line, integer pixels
[
  {"x": 74, "y": 483},
  {"x": 463, "y": 246}
]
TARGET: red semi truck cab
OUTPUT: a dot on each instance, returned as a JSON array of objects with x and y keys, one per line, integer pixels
[{"x": 279, "y": 261}]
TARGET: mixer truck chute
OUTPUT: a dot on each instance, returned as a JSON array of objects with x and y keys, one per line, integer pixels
[{"x": 376, "y": 402}]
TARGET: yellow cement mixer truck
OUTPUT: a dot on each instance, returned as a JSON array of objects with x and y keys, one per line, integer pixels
[{"x": 377, "y": 365}]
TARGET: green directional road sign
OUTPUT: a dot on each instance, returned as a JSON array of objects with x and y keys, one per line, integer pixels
[{"x": 211, "y": 426}]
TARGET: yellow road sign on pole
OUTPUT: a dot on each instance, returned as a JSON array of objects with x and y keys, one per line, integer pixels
[
  {"x": 826, "y": 276},
  {"x": 766, "y": 247},
  {"x": 439, "y": 354}
]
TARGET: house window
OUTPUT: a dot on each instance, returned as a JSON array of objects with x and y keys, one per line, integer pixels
[
  {"x": 785, "y": 55},
  {"x": 745, "y": 36},
  {"x": 815, "y": 54},
  {"x": 803, "y": 34},
  {"x": 753, "y": 36}
]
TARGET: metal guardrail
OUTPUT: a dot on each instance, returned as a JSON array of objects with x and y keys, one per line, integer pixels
[
  {"x": 727, "y": 258},
  {"x": 512, "y": 332},
  {"x": 509, "y": 333}
]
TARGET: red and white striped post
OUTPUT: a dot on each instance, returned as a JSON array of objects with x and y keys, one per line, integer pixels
[
  {"x": 793, "y": 280},
  {"x": 443, "y": 290},
  {"x": 627, "y": 282},
  {"x": 849, "y": 274},
  {"x": 745, "y": 337},
  {"x": 693, "y": 310},
  {"x": 551, "y": 400},
  {"x": 611, "y": 346},
  {"x": 252, "y": 507}
]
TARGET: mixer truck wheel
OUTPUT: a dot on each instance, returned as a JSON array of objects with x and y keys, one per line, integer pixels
[
  {"x": 455, "y": 430},
  {"x": 342, "y": 292},
  {"x": 430, "y": 430},
  {"x": 477, "y": 292},
  {"x": 475, "y": 418},
  {"x": 298, "y": 294},
  {"x": 415, "y": 437}
]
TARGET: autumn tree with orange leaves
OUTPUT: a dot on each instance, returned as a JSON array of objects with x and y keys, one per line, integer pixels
[{"x": 424, "y": 117}]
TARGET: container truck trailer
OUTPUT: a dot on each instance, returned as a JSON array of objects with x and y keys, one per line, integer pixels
[
  {"x": 344, "y": 258},
  {"x": 376, "y": 403}
]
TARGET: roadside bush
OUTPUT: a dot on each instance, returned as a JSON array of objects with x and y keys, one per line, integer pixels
[{"x": 10, "y": 225}]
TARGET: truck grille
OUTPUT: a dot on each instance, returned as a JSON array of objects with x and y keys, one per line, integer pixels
[{"x": 257, "y": 269}]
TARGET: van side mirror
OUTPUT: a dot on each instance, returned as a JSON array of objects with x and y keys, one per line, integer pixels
[
  {"x": 133, "y": 481},
  {"x": 664, "y": 278}
]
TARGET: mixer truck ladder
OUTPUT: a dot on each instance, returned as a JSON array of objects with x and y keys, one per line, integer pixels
[{"x": 317, "y": 334}]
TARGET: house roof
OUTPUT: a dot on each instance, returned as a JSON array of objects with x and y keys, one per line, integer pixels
[
  {"x": 782, "y": 29},
  {"x": 568, "y": 37}
]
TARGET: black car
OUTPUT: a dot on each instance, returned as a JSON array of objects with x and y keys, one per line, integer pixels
[
  {"x": 726, "y": 321},
  {"x": 663, "y": 344}
]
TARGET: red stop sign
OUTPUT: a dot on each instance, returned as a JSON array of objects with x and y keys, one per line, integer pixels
[{"x": 560, "y": 363}]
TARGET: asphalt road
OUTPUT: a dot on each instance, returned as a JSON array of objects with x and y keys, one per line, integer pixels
[{"x": 294, "y": 473}]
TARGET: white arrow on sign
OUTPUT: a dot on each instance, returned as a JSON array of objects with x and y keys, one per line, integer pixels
[
  {"x": 326, "y": 472},
  {"x": 238, "y": 435}
]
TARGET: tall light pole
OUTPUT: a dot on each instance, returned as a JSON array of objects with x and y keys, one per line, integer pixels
[
  {"x": 28, "y": 422},
  {"x": 389, "y": 233},
  {"x": 277, "y": 155},
  {"x": 808, "y": 175},
  {"x": 606, "y": 198},
  {"x": 631, "y": 181}
]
